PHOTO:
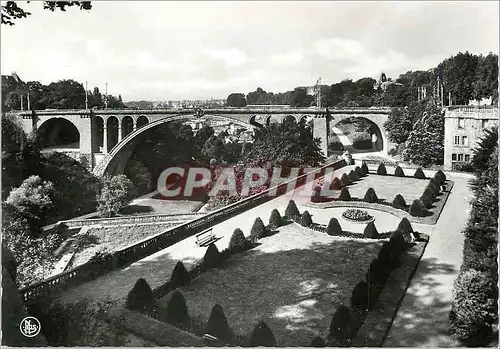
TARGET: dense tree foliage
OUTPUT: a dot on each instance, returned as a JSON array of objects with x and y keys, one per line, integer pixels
[
  {"x": 236, "y": 100},
  {"x": 12, "y": 11},
  {"x": 116, "y": 193},
  {"x": 63, "y": 94},
  {"x": 288, "y": 144},
  {"x": 425, "y": 145}
]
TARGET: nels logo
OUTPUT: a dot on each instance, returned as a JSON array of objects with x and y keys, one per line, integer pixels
[{"x": 30, "y": 326}]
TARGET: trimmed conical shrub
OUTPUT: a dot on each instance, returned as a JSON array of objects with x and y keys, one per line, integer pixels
[
  {"x": 316, "y": 194},
  {"x": 180, "y": 276},
  {"x": 305, "y": 219},
  {"x": 334, "y": 227},
  {"x": 344, "y": 180},
  {"x": 364, "y": 168},
  {"x": 433, "y": 189},
  {"x": 358, "y": 171},
  {"x": 405, "y": 226},
  {"x": 262, "y": 336},
  {"x": 426, "y": 201},
  {"x": 318, "y": 342},
  {"x": 360, "y": 297},
  {"x": 292, "y": 211},
  {"x": 399, "y": 202},
  {"x": 140, "y": 296},
  {"x": 238, "y": 241},
  {"x": 212, "y": 258},
  {"x": 440, "y": 176},
  {"x": 345, "y": 195},
  {"x": 398, "y": 172},
  {"x": 381, "y": 170},
  {"x": 397, "y": 243},
  {"x": 353, "y": 176},
  {"x": 340, "y": 327},
  {"x": 258, "y": 230},
  {"x": 370, "y": 231},
  {"x": 417, "y": 208},
  {"x": 370, "y": 196},
  {"x": 336, "y": 185},
  {"x": 419, "y": 174},
  {"x": 217, "y": 324},
  {"x": 275, "y": 221},
  {"x": 177, "y": 313}
]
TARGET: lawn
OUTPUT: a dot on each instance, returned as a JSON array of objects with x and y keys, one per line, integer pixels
[
  {"x": 387, "y": 187},
  {"x": 150, "y": 206},
  {"x": 294, "y": 280},
  {"x": 111, "y": 239}
]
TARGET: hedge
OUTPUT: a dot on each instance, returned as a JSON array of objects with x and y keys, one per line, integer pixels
[
  {"x": 360, "y": 297},
  {"x": 426, "y": 200},
  {"x": 474, "y": 309},
  {"x": 381, "y": 170},
  {"x": 399, "y": 202},
  {"x": 353, "y": 176},
  {"x": 358, "y": 171},
  {"x": 140, "y": 296}
]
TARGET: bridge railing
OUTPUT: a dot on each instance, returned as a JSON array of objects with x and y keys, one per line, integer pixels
[{"x": 97, "y": 267}]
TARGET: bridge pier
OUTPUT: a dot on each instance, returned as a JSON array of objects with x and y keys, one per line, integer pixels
[{"x": 105, "y": 139}]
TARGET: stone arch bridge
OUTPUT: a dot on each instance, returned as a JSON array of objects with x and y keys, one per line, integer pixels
[{"x": 103, "y": 140}]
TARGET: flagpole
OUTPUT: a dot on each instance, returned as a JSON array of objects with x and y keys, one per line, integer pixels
[{"x": 86, "y": 96}]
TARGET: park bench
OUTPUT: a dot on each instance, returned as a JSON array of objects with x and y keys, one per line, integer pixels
[{"x": 205, "y": 237}]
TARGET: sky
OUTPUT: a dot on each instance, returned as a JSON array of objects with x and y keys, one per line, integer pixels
[{"x": 200, "y": 50}]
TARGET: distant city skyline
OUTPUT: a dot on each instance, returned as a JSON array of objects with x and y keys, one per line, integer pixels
[{"x": 160, "y": 51}]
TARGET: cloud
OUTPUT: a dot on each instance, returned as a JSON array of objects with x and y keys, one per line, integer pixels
[
  {"x": 232, "y": 57},
  {"x": 338, "y": 48},
  {"x": 288, "y": 58}
]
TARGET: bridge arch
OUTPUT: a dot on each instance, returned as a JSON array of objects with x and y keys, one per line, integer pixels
[
  {"x": 114, "y": 162},
  {"x": 58, "y": 132},
  {"x": 141, "y": 121},
  {"x": 379, "y": 138}
]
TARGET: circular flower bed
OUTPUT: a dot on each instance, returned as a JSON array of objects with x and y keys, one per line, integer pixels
[{"x": 357, "y": 216}]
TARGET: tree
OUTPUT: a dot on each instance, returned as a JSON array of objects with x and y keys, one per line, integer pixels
[
  {"x": 202, "y": 136},
  {"x": 287, "y": 144},
  {"x": 300, "y": 98},
  {"x": 11, "y": 11},
  {"x": 139, "y": 175},
  {"x": 116, "y": 193},
  {"x": 425, "y": 144},
  {"x": 217, "y": 324},
  {"x": 236, "y": 100},
  {"x": 399, "y": 125},
  {"x": 96, "y": 99},
  {"x": 259, "y": 96},
  {"x": 33, "y": 200},
  {"x": 214, "y": 148},
  {"x": 177, "y": 312},
  {"x": 458, "y": 74}
]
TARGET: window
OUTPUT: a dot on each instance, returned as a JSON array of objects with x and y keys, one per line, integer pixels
[
  {"x": 465, "y": 141},
  {"x": 467, "y": 157},
  {"x": 453, "y": 157},
  {"x": 460, "y": 123},
  {"x": 460, "y": 157},
  {"x": 457, "y": 140}
]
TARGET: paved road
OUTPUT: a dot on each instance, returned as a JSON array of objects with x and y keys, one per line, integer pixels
[{"x": 422, "y": 320}]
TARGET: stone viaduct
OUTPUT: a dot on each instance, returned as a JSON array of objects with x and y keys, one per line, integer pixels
[{"x": 103, "y": 140}]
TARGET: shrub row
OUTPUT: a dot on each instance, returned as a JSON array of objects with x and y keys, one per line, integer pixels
[
  {"x": 399, "y": 172},
  {"x": 339, "y": 184}
]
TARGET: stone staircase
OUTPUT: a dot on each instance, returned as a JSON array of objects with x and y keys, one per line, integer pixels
[{"x": 68, "y": 250}]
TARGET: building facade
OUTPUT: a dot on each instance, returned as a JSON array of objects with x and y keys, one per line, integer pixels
[{"x": 463, "y": 128}]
